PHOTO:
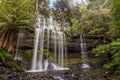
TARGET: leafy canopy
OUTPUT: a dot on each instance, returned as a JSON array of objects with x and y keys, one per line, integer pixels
[{"x": 15, "y": 16}]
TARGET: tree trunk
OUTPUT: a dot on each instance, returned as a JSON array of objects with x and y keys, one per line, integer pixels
[
  {"x": 62, "y": 21},
  {"x": 36, "y": 9}
]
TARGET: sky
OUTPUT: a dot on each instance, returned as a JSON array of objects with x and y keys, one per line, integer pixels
[
  {"x": 74, "y": 2},
  {"x": 51, "y": 3},
  {"x": 80, "y": 1}
]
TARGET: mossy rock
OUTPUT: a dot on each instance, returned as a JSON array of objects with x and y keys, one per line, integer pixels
[
  {"x": 73, "y": 61},
  {"x": 14, "y": 66}
]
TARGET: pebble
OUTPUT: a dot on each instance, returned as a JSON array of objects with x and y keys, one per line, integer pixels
[{"x": 62, "y": 75}]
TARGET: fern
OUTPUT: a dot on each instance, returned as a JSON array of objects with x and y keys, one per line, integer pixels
[
  {"x": 4, "y": 55},
  {"x": 114, "y": 49}
]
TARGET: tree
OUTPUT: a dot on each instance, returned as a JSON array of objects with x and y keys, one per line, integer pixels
[
  {"x": 42, "y": 7},
  {"x": 115, "y": 23},
  {"x": 15, "y": 16},
  {"x": 61, "y": 10},
  {"x": 113, "y": 48},
  {"x": 92, "y": 21},
  {"x": 99, "y": 4}
]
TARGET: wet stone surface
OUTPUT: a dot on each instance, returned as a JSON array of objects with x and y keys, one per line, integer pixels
[{"x": 52, "y": 75}]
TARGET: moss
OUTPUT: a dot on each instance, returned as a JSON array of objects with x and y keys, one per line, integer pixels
[
  {"x": 98, "y": 72},
  {"x": 29, "y": 53},
  {"x": 14, "y": 66},
  {"x": 72, "y": 61},
  {"x": 94, "y": 61}
]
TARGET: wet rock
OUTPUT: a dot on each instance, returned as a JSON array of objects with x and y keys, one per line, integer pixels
[{"x": 79, "y": 74}]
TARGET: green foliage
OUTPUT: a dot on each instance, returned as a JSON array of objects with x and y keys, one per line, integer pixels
[
  {"x": 7, "y": 62},
  {"x": 62, "y": 12},
  {"x": 96, "y": 4},
  {"x": 94, "y": 24},
  {"x": 18, "y": 8},
  {"x": 115, "y": 23},
  {"x": 96, "y": 30},
  {"x": 114, "y": 49},
  {"x": 28, "y": 53},
  {"x": 43, "y": 7},
  {"x": 14, "y": 66},
  {"x": 75, "y": 25},
  {"x": 102, "y": 49},
  {"x": 15, "y": 16},
  {"x": 4, "y": 55},
  {"x": 47, "y": 54}
]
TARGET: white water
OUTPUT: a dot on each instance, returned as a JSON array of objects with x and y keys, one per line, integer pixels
[
  {"x": 56, "y": 77},
  {"x": 46, "y": 65},
  {"x": 84, "y": 52},
  {"x": 57, "y": 67},
  {"x": 43, "y": 36},
  {"x": 85, "y": 65},
  {"x": 55, "y": 46},
  {"x": 35, "y": 49},
  {"x": 17, "y": 52}
]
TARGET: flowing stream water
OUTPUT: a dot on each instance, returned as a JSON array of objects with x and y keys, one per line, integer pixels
[
  {"x": 45, "y": 36},
  {"x": 84, "y": 52},
  {"x": 18, "y": 55}
]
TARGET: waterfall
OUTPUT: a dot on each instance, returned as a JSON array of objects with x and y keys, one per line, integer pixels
[
  {"x": 18, "y": 49},
  {"x": 55, "y": 46},
  {"x": 84, "y": 52},
  {"x": 44, "y": 36}
]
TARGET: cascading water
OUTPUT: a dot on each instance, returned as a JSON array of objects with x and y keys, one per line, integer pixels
[
  {"x": 83, "y": 52},
  {"x": 44, "y": 36},
  {"x": 19, "y": 42}
]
